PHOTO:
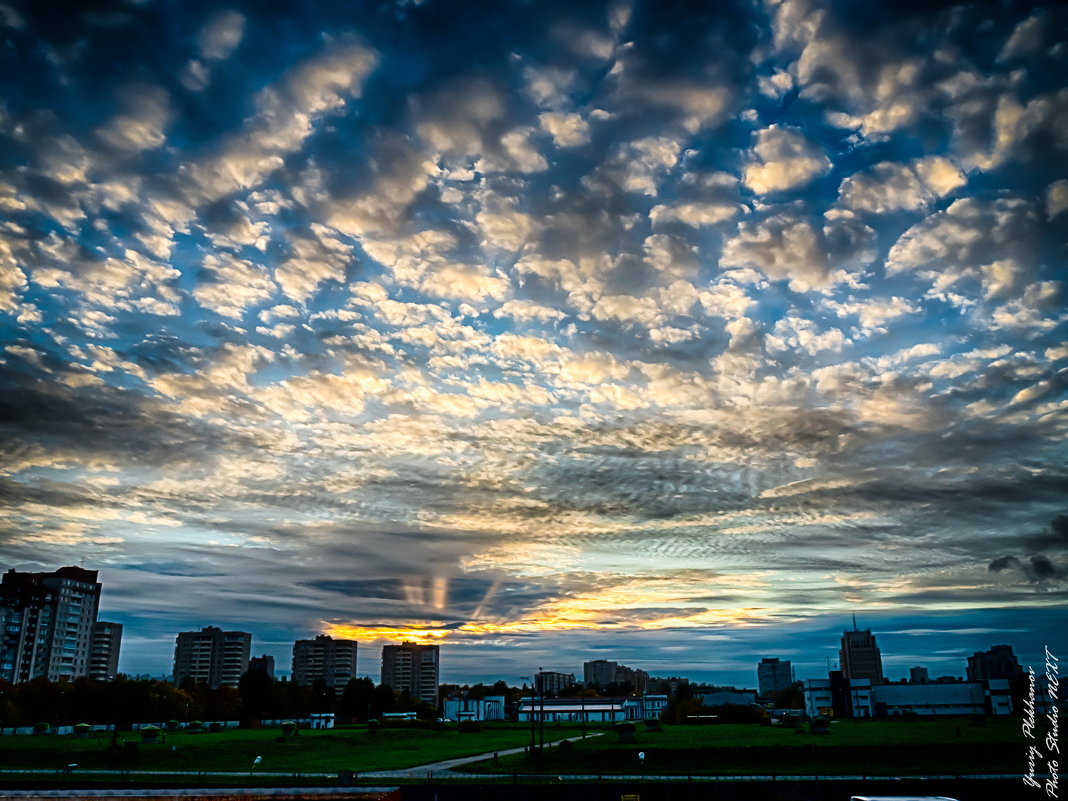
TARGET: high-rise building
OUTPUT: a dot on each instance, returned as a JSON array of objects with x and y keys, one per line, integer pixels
[
  {"x": 919, "y": 675},
  {"x": 997, "y": 663},
  {"x": 262, "y": 664},
  {"x": 637, "y": 678},
  {"x": 324, "y": 659},
  {"x": 859, "y": 656},
  {"x": 211, "y": 656},
  {"x": 412, "y": 667},
  {"x": 104, "y": 654},
  {"x": 774, "y": 675},
  {"x": 46, "y": 623},
  {"x": 602, "y": 672},
  {"x": 548, "y": 682},
  {"x": 599, "y": 672}
]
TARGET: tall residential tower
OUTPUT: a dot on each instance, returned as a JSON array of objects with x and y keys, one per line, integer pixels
[
  {"x": 324, "y": 659},
  {"x": 46, "y": 624},
  {"x": 412, "y": 667},
  {"x": 211, "y": 656}
]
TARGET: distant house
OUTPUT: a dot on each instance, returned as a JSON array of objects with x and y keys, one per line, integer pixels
[
  {"x": 480, "y": 709},
  {"x": 592, "y": 710},
  {"x": 322, "y": 720}
]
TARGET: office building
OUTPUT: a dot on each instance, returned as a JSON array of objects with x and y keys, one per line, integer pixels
[
  {"x": 997, "y": 663},
  {"x": 919, "y": 675},
  {"x": 324, "y": 659},
  {"x": 262, "y": 664},
  {"x": 104, "y": 652},
  {"x": 46, "y": 624},
  {"x": 211, "y": 656},
  {"x": 774, "y": 675},
  {"x": 859, "y": 656},
  {"x": 412, "y": 668},
  {"x": 548, "y": 682},
  {"x": 838, "y": 697}
]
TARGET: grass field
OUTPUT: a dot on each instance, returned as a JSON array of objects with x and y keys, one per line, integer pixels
[
  {"x": 880, "y": 747},
  {"x": 234, "y": 750}
]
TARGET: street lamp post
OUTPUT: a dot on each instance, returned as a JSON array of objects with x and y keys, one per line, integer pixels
[
  {"x": 541, "y": 716},
  {"x": 532, "y": 686}
]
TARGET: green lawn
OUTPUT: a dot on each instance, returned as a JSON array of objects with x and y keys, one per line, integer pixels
[
  {"x": 312, "y": 751},
  {"x": 879, "y": 747}
]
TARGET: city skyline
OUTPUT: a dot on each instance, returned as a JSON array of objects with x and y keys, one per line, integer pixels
[{"x": 659, "y": 334}]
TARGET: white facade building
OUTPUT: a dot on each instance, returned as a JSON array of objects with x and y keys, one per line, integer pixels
[
  {"x": 820, "y": 698},
  {"x": 966, "y": 698},
  {"x": 593, "y": 710},
  {"x": 489, "y": 708}
]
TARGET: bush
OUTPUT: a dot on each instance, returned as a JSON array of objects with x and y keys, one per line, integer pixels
[
  {"x": 41, "y": 728},
  {"x": 150, "y": 734},
  {"x": 172, "y": 725},
  {"x": 566, "y": 747},
  {"x": 468, "y": 726},
  {"x": 625, "y": 732}
]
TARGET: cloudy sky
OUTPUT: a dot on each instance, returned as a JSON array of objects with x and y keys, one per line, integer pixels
[{"x": 661, "y": 332}]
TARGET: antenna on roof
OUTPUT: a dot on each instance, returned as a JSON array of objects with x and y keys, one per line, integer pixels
[{"x": 854, "y": 621}]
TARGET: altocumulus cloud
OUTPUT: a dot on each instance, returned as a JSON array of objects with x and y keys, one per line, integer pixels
[{"x": 539, "y": 330}]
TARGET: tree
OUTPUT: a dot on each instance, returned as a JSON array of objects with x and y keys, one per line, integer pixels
[
  {"x": 256, "y": 689},
  {"x": 382, "y": 700},
  {"x": 356, "y": 700}
]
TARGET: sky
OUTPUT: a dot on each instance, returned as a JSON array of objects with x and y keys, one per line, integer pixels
[{"x": 669, "y": 333}]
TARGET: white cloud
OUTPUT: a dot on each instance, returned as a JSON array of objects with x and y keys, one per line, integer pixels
[
  {"x": 786, "y": 246},
  {"x": 1056, "y": 197},
  {"x": 879, "y": 89},
  {"x": 142, "y": 127},
  {"x": 776, "y": 84},
  {"x": 670, "y": 255},
  {"x": 567, "y": 130},
  {"x": 784, "y": 159},
  {"x": 694, "y": 214},
  {"x": 875, "y": 313},
  {"x": 238, "y": 285},
  {"x": 1026, "y": 37},
  {"x": 12, "y": 279},
  {"x": 795, "y": 333},
  {"x": 220, "y": 37},
  {"x": 888, "y": 186},
  {"x": 987, "y": 242},
  {"x": 527, "y": 311},
  {"x": 284, "y": 118}
]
